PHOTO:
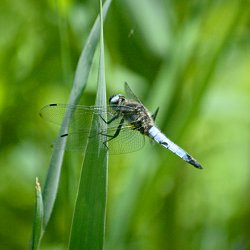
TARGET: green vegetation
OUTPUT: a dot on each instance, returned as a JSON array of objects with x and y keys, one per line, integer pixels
[{"x": 189, "y": 58}]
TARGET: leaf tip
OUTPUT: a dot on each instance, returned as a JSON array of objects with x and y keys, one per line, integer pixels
[{"x": 38, "y": 186}]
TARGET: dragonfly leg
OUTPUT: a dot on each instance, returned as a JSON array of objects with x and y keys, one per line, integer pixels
[
  {"x": 107, "y": 122},
  {"x": 111, "y": 120},
  {"x": 117, "y": 132},
  {"x": 155, "y": 114}
]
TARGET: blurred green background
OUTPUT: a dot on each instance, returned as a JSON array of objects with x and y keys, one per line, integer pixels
[{"x": 191, "y": 58}]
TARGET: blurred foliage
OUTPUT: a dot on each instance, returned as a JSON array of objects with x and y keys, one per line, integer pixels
[{"x": 191, "y": 58}]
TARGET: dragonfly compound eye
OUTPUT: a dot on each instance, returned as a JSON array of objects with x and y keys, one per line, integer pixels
[{"x": 115, "y": 99}]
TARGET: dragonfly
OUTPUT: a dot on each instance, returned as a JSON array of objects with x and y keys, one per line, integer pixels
[{"x": 128, "y": 123}]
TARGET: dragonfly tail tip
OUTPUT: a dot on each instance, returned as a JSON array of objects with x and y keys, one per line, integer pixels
[{"x": 193, "y": 162}]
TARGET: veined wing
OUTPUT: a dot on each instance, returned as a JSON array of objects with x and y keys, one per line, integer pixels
[
  {"x": 78, "y": 132},
  {"x": 81, "y": 116},
  {"x": 127, "y": 141},
  {"x": 130, "y": 94}
]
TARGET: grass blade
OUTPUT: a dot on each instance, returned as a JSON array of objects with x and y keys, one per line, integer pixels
[
  {"x": 88, "y": 226},
  {"x": 38, "y": 220},
  {"x": 80, "y": 80}
]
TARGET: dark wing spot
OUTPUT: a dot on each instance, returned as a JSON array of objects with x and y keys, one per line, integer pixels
[
  {"x": 64, "y": 135},
  {"x": 53, "y": 104}
]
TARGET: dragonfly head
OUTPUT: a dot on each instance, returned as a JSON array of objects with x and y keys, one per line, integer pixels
[{"x": 116, "y": 99}]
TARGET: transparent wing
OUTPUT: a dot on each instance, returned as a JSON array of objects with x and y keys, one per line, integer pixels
[
  {"x": 127, "y": 141},
  {"x": 81, "y": 115},
  {"x": 130, "y": 94},
  {"x": 78, "y": 132}
]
